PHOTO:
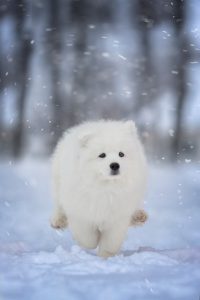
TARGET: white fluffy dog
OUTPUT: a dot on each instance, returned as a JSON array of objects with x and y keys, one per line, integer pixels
[{"x": 99, "y": 179}]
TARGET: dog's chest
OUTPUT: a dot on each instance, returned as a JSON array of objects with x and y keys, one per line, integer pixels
[{"x": 104, "y": 206}]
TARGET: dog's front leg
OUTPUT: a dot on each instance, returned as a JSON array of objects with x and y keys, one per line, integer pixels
[
  {"x": 59, "y": 219},
  {"x": 138, "y": 218}
]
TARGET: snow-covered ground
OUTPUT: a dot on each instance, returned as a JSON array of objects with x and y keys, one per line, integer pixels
[{"x": 160, "y": 260}]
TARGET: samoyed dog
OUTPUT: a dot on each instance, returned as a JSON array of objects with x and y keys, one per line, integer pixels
[{"x": 99, "y": 180}]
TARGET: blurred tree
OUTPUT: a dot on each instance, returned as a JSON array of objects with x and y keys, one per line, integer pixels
[
  {"x": 15, "y": 65},
  {"x": 180, "y": 66},
  {"x": 1, "y": 89},
  {"x": 92, "y": 73},
  {"x": 53, "y": 44},
  {"x": 4, "y": 8},
  {"x": 143, "y": 15},
  {"x": 22, "y": 55},
  {"x": 80, "y": 13}
]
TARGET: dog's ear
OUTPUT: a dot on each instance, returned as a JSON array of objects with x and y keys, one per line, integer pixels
[
  {"x": 130, "y": 125},
  {"x": 84, "y": 139}
]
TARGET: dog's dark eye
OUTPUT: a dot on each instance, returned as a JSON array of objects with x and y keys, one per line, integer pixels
[
  {"x": 102, "y": 155},
  {"x": 121, "y": 154}
]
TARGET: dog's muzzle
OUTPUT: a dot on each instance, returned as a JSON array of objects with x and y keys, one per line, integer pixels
[{"x": 114, "y": 168}]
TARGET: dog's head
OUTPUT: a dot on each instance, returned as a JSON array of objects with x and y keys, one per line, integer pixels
[{"x": 110, "y": 152}]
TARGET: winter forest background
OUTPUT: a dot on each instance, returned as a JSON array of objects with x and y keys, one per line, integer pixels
[{"x": 64, "y": 61}]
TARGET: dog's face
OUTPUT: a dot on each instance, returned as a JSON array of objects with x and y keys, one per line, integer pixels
[{"x": 110, "y": 155}]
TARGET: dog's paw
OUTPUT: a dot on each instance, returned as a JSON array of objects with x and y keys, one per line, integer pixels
[
  {"x": 139, "y": 218},
  {"x": 59, "y": 223}
]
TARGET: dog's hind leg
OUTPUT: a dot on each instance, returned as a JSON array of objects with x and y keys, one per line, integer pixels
[{"x": 59, "y": 219}]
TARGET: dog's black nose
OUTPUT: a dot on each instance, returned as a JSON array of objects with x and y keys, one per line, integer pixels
[{"x": 114, "y": 166}]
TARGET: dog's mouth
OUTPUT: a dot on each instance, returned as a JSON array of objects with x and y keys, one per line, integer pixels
[
  {"x": 111, "y": 176},
  {"x": 114, "y": 172}
]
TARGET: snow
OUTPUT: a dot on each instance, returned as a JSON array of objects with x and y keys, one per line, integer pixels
[{"x": 160, "y": 260}]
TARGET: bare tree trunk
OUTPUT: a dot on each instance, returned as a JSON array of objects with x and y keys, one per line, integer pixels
[
  {"x": 144, "y": 73},
  {"x": 54, "y": 49},
  {"x": 21, "y": 98},
  {"x": 1, "y": 89},
  {"x": 180, "y": 66},
  {"x": 2, "y": 85},
  {"x": 22, "y": 57},
  {"x": 79, "y": 16}
]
